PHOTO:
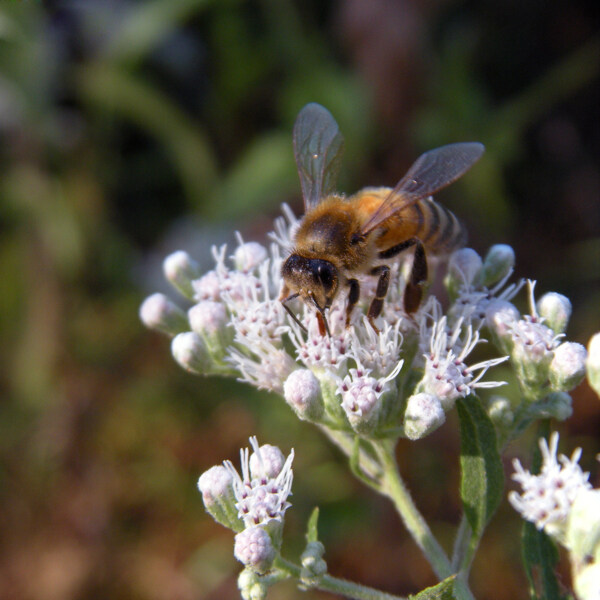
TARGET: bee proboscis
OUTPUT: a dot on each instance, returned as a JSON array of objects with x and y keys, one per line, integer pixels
[{"x": 340, "y": 238}]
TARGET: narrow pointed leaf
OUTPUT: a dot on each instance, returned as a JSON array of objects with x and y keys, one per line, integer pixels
[
  {"x": 482, "y": 477},
  {"x": 312, "y": 534},
  {"x": 540, "y": 557}
]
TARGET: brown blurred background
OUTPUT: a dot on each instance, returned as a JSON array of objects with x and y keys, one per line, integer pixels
[{"x": 131, "y": 129}]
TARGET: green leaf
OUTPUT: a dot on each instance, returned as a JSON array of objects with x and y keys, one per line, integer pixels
[
  {"x": 312, "y": 535},
  {"x": 540, "y": 557},
  {"x": 442, "y": 591},
  {"x": 482, "y": 477}
]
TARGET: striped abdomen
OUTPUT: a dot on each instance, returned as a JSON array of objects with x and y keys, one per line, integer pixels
[
  {"x": 437, "y": 227},
  {"x": 439, "y": 230}
]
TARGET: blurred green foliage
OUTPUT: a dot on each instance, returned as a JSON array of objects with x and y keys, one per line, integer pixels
[{"x": 122, "y": 120}]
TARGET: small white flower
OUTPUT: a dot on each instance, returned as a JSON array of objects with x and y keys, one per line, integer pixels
[
  {"x": 547, "y": 498},
  {"x": 265, "y": 366},
  {"x": 255, "y": 313},
  {"x": 285, "y": 229},
  {"x": 323, "y": 351},
  {"x": 463, "y": 266},
  {"x": 180, "y": 270},
  {"x": 530, "y": 336},
  {"x": 424, "y": 414},
  {"x": 248, "y": 255},
  {"x": 190, "y": 351},
  {"x": 473, "y": 302},
  {"x": 567, "y": 368},
  {"x": 214, "y": 483},
  {"x": 253, "y": 548},
  {"x": 261, "y": 499},
  {"x": 556, "y": 310},
  {"x": 361, "y": 395},
  {"x": 532, "y": 340},
  {"x": 447, "y": 376},
  {"x": 216, "y": 487},
  {"x": 531, "y": 344},
  {"x": 158, "y": 312},
  {"x": 497, "y": 265},
  {"x": 207, "y": 287},
  {"x": 302, "y": 391},
  {"x": 378, "y": 352},
  {"x": 266, "y": 462},
  {"x": 500, "y": 317},
  {"x": 207, "y": 317}
]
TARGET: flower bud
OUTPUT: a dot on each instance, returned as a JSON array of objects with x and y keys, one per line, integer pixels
[
  {"x": 249, "y": 255},
  {"x": 207, "y": 287},
  {"x": 159, "y": 313},
  {"x": 556, "y": 405},
  {"x": 500, "y": 316},
  {"x": 497, "y": 264},
  {"x": 556, "y": 310},
  {"x": 302, "y": 392},
  {"x": 500, "y": 412},
  {"x": 252, "y": 586},
  {"x": 567, "y": 368},
  {"x": 210, "y": 320},
  {"x": 189, "y": 350},
  {"x": 361, "y": 401},
  {"x": 267, "y": 462},
  {"x": 216, "y": 487},
  {"x": 463, "y": 266},
  {"x": 593, "y": 363},
  {"x": 253, "y": 548},
  {"x": 424, "y": 414},
  {"x": 180, "y": 270},
  {"x": 313, "y": 565}
]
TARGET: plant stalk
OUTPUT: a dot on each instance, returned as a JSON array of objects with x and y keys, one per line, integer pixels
[{"x": 342, "y": 587}]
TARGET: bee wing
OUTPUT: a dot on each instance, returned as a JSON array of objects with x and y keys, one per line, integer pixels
[
  {"x": 318, "y": 148},
  {"x": 430, "y": 173}
]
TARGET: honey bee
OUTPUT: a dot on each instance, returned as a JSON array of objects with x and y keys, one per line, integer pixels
[{"x": 339, "y": 238}]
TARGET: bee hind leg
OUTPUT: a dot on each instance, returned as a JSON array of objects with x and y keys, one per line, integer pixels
[{"x": 380, "y": 293}]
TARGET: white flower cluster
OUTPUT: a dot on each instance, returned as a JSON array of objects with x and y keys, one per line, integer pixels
[
  {"x": 253, "y": 503},
  {"x": 547, "y": 498},
  {"x": 561, "y": 501},
  {"x": 400, "y": 380},
  {"x": 546, "y": 366}
]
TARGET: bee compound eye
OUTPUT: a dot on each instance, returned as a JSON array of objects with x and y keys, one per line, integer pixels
[{"x": 326, "y": 275}]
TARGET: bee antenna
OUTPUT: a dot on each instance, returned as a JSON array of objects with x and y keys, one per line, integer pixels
[{"x": 289, "y": 311}]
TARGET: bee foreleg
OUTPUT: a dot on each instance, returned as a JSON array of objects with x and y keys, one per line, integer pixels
[
  {"x": 380, "y": 293},
  {"x": 353, "y": 296}
]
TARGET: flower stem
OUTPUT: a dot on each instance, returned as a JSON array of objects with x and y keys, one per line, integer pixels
[
  {"x": 335, "y": 585},
  {"x": 465, "y": 546},
  {"x": 395, "y": 489},
  {"x": 345, "y": 443}
]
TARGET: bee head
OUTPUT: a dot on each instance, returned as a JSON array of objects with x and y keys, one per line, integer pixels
[{"x": 313, "y": 279}]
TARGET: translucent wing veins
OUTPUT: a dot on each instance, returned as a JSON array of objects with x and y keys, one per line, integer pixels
[
  {"x": 430, "y": 173},
  {"x": 318, "y": 149}
]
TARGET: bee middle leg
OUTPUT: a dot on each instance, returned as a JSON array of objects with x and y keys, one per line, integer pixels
[
  {"x": 380, "y": 293},
  {"x": 413, "y": 292},
  {"x": 353, "y": 296}
]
